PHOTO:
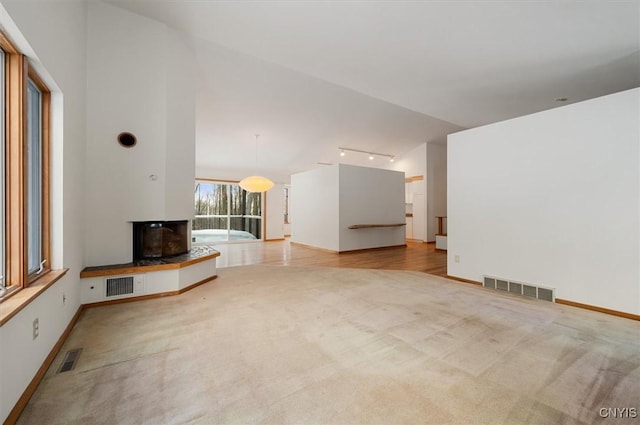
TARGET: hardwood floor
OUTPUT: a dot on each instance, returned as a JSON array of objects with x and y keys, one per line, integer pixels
[{"x": 415, "y": 256}]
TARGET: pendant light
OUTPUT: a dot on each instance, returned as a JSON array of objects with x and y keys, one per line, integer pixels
[{"x": 256, "y": 183}]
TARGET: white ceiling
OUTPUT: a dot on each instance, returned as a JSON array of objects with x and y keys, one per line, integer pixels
[{"x": 386, "y": 76}]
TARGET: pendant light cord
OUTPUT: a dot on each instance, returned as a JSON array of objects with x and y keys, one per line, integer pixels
[{"x": 257, "y": 135}]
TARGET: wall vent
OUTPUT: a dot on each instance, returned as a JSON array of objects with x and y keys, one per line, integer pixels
[
  {"x": 489, "y": 283},
  {"x": 116, "y": 286},
  {"x": 515, "y": 288},
  {"x": 519, "y": 288},
  {"x": 530, "y": 291},
  {"x": 502, "y": 285},
  {"x": 546, "y": 294}
]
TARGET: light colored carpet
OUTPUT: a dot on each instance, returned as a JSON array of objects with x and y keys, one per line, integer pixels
[{"x": 272, "y": 345}]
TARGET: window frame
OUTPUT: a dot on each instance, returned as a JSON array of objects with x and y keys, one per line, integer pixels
[
  {"x": 2, "y": 170},
  {"x": 17, "y": 74},
  {"x": 229, "y": 216}
]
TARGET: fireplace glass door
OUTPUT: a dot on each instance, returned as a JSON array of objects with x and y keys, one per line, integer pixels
[{"x": 156, "y": 239}]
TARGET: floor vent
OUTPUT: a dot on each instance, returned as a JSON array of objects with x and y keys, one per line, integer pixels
[
  {"x": 70, "y": 360},
  {"x": 119, "y": 286},
  {"x": 519, "y": 288}
]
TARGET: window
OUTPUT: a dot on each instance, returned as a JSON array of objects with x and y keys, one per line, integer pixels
[
  {"x": 34, "y": 178},
  {"x": 225, "y": 212},
  {"x": 25, "y": 166}
]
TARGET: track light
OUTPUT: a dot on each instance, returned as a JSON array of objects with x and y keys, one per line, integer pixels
[{"x": 372, "y": 155}]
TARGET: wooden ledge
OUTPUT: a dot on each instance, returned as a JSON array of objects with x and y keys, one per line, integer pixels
[
  {"x": 368, "y": 226},
  {"x": 130, "y": 268},
  {"x": 15, "y": 302}
]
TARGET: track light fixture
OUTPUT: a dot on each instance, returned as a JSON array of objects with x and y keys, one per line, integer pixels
[{"x": 372, "y": 155}]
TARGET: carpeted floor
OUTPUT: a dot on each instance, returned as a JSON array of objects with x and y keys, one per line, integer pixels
[{"x": 283, "y": 345}]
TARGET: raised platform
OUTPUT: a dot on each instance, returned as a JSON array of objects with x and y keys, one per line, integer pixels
[
  {"x": 148, "y": 278},
  {"x": 195, "y": 255}
]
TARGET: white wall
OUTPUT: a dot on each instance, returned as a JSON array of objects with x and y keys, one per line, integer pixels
[
  {"x": 552, "y": 199},
  {"x": 430, "y": 161},
  {"x": 331, "y": 198},
  {"x": 181, "y": 128},
  {"x": 274, "y": 215},
  {"x": 414, "y": 163},
  {"x": 436, "y": 181},
  {"x": 370, "y": 196},
  {"x": 54, "y": 36},
  {"x": 140, "y": 79},
  {"x": 315, "y": 208}
]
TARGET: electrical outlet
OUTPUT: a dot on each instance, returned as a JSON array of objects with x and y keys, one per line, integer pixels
[
  {"x": 457, "y": 258},
  {"x": 36, "y": 328}
]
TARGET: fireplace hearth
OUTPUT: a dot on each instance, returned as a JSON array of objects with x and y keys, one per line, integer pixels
[{"x": 157, "y": 239}]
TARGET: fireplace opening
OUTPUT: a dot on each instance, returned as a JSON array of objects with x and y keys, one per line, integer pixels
[{"x": 156, "y": 239}]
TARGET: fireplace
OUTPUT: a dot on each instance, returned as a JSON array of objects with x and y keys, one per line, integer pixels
[{"x": 156, "y": 239}]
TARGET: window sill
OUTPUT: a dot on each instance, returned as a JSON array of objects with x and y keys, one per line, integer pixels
[{"x": 12, "y": 303}]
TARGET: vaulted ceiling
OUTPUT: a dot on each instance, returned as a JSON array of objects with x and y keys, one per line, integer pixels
[{"x": 385, "y": 76}]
